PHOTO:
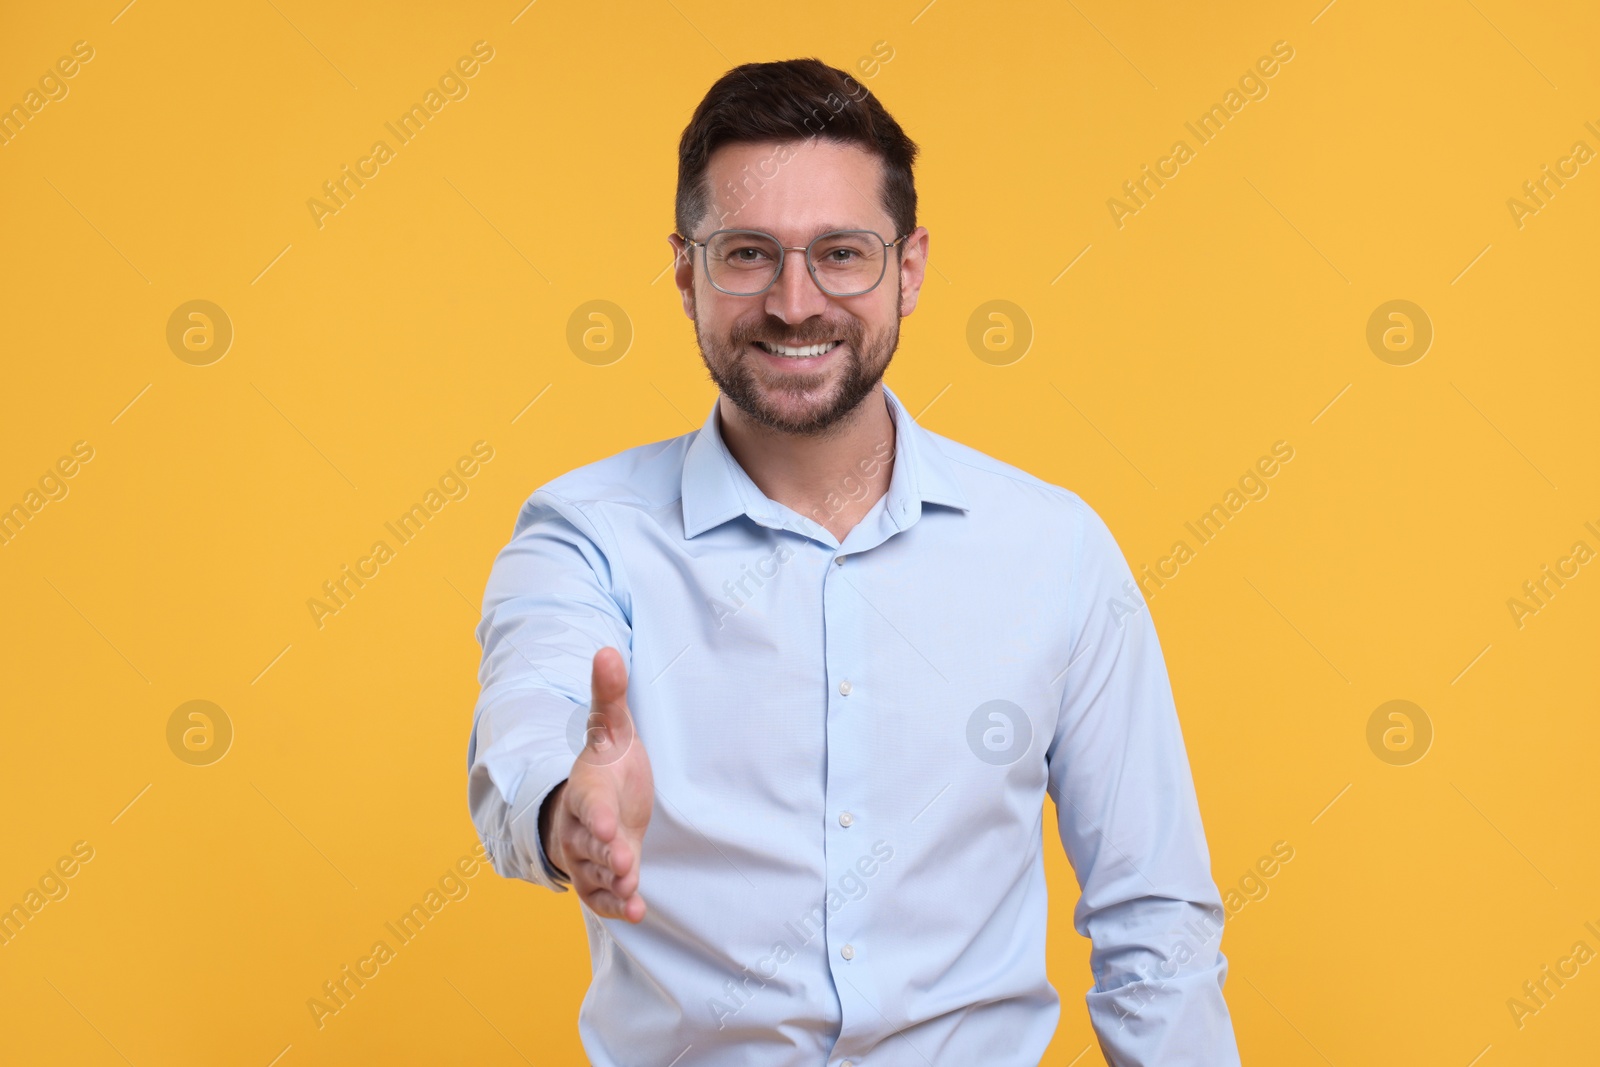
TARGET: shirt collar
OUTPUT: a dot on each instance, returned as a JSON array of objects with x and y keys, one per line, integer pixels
[{"x": 716, "y": 488}]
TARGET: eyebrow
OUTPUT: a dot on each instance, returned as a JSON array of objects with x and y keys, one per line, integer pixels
[{"x": 828, "y": 227}]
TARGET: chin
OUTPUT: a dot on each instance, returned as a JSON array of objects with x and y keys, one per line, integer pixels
[
  {"x": 781, "y": 408},
  {"x": 796, "y": 403}
]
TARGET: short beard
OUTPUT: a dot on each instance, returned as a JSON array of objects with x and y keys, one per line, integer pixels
[{"x": 863, "y": 370}]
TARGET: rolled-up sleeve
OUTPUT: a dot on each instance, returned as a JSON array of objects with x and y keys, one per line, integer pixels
[
  {"x": 555, "y": 596},
  {"x": 1130, "y": 824}
]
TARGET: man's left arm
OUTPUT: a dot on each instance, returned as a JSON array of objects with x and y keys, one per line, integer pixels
[{"x": 1130, "y": 824}]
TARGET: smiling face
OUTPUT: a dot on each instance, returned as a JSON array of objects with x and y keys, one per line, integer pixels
[{"x": 793, "y": 358}]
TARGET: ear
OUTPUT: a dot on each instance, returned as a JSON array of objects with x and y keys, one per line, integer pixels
[
  {"x": 913, "y": 268},
  {"x": 683, "y": 271}
]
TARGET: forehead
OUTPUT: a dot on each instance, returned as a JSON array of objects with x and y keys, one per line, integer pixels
[{"x": 795, "y": 189}]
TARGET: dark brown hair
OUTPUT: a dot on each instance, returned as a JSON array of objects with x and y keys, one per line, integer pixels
[{"x": 792, "y": 100}]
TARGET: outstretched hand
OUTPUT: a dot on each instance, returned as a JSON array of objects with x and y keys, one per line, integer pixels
[{"x": 597, "y": 817}]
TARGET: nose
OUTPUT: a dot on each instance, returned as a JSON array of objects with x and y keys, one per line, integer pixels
[{"x": 794, "y": 297}]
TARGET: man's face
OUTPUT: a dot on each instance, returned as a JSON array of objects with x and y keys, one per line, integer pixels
[{"x": 795, "y": 191}]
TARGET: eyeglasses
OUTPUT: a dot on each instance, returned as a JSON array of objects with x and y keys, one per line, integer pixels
[{"x": 841, "y": 262}]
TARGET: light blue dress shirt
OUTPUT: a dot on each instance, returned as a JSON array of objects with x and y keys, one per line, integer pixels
[{"x": 851, "y": 745}]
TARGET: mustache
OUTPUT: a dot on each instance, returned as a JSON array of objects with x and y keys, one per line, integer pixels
[{"x": 777, "y": 332}]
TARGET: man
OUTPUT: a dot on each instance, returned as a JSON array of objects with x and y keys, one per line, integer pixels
[{"x": 781, "y": 698}]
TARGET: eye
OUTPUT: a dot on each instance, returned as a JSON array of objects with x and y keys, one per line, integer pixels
[{"x": 844, "y": 250}]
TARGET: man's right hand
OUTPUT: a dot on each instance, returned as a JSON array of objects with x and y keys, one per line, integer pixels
[{"x": 597, "y": 817}]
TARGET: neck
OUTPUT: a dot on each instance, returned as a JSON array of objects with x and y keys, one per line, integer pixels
[{"x": 835, "y": 478}]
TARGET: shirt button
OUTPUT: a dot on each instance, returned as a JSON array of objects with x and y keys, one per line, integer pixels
[
  {"x": 840, "y": 561},
  {"x": 845, "y": 818},
  {"x": 848, "y": 952},
  {"x": 844, "y": 688}
]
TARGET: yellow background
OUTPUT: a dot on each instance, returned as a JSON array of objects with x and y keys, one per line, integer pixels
[{"x": 428, "y": 313}]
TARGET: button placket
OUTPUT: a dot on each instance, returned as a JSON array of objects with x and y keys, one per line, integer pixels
[{"x": 847, "y": 732}]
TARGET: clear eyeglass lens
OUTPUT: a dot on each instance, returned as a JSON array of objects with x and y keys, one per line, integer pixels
[
  {"x": 848, "y": 262},
  {"x": 742, "y": 262}
]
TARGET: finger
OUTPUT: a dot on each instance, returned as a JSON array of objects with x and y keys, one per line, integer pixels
[
  {"x": 596, "y": 812},
  {"x": 598, "y": 875},
  {"x": 580, "y": 840},
  {"x": 616, "y": 857},
  {"x": 605, "y": 903},
  {"x": 624, "y": 886},
  {"x": 608, "y": 686},
  {"x": 579, "y": 844},
  {"x": 619, "y": 856}
]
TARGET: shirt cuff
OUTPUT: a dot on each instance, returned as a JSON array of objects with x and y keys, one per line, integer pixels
[{"x": 509, "y": 829}]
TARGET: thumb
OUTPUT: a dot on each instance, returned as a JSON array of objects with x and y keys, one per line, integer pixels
[{"x": 610, "y": 728}]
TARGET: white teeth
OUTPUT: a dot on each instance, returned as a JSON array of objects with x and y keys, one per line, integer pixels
[{"x": 803, "y": 352}]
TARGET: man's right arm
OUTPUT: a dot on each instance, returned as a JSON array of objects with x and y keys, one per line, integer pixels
[{"x": 554, "y": 597}]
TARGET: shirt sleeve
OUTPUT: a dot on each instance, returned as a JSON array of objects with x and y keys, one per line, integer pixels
[
  {"x": 1130, "y": 824},
  {"x": 554, "y": 598}
]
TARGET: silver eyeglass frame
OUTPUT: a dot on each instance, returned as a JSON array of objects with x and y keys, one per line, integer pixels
[{"x": 783, "y": 250}]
